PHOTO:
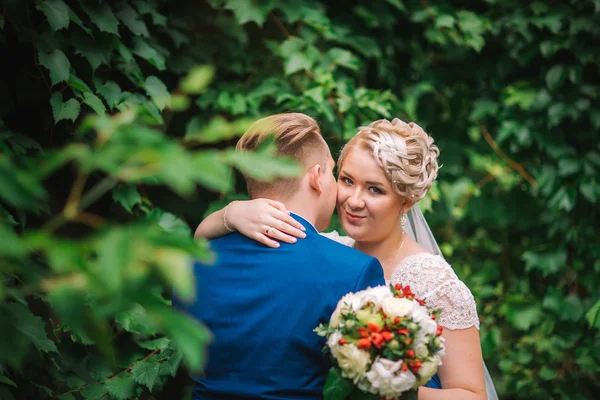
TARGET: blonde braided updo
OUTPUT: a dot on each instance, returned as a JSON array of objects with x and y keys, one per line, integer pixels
[{"x": 404, "y": 151}]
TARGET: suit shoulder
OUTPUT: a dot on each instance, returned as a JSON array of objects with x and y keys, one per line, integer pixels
[{"x": 342, "y": 252}]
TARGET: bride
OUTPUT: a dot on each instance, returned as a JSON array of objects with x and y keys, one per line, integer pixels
[{"x": 383, "y": 172}]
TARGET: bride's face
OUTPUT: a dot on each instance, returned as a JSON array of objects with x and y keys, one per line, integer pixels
[{"x": 368, "y": 207}]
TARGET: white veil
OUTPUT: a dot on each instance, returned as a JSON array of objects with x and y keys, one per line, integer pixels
[{"x": 416, "y": 226}]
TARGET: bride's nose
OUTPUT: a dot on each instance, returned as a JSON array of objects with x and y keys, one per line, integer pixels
[{"x": 355, "y": 200}]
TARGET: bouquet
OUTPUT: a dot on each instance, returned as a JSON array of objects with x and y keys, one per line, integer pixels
[{"x": 384, "y": 344}]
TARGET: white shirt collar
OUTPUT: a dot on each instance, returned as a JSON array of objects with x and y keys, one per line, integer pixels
[{"x": 298, "y": 215}]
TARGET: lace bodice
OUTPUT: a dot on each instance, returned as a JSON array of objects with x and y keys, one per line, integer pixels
[{"x": 432, "y": 279}]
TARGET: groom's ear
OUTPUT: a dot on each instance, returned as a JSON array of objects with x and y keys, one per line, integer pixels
[{"x": 314, "y": 178}]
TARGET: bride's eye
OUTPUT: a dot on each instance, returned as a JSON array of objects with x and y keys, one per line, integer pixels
[
  {"x": 375, "y": 190},
  {"x": 347, "y": 181}
]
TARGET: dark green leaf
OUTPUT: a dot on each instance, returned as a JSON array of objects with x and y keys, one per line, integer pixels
[
  {"x": 57, "y": 63},
  {"x": 101, "y": 15},
  {"x": 158, "y": 92},
  {"x": 111, "y": 93},
  {"x": 555, "y": 77},
  {"x": 30, "y": 326},
  {"x": 146, "y": 372},
  {"x": 132, "y": 21},
  {"x": 67, "y": 110},
  {"x": 336, "y": 386},
  {"x": 127, "y": 196},
  {"x": 212, "y": 171},
  {"x": 121, "y": 387},
  {"x": 95, "y": 103},
  {"x": 148, "y": 53},
  {"x": 57, "y": 13},
  {"x": 248, "y": 10}
]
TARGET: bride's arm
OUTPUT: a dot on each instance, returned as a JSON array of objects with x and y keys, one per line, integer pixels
[
  {"x": 461, "y": 373},
  {"x": 252, "y": 218}
]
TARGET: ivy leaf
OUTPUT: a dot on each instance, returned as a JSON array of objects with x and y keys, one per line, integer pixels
[
  {"x": 111, "y": 93},
  {"x": 132, "y": 21},
  {"x": 57, "y": 13},
  {"x": 127, "y": 196},
  {"x": 102, "y": 15},
  {"x": 29, "y": 325},
  {"x": 249, "y": 11},
  {"x": 136, "y": 320},
  {"x": 95, "y": 103},
  {"x": 78, "y": 84},
  {"x": 148, "y": 53},
  {"x": 172, "y": 365},
  {"x": 158, "y": 92},
  {"x": 122, "y": 387},
  {"x": 555, "y": 77},
  {"x": 297, "y": 62},
  {"x": 97, "y": 51},
  {"x": 57, "y": 63},
  {"x": 68, "y": 110},
  {"x": 73, "y": 17},
  {"x": 146, "y": 372}
]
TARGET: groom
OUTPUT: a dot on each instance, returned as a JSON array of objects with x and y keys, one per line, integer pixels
[{"x": 261, "y": 303}]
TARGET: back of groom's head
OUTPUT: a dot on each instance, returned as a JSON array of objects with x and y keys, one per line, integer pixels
[{"x": 297, "y": 136}]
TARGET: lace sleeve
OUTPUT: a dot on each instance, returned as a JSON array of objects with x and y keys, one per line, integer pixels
[
  {"x": 459, "y": 310},
  {"x": 335, "y": 236},
  {"x": 433, "y": 280}
]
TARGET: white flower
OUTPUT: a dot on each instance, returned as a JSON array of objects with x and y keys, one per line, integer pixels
[
  {"x": 351, "y": 360},
  {"x": 388, "y": 378},
  {"x": 375, "y": 295},
  {"x": 395, "y": 307},
  {"x": 421, "y": 316},
  {"x": 428, "y": 369}
]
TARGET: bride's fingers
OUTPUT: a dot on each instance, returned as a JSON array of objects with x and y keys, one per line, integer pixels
[
  {"x": 274, "y": 233},
  {"x": 264, "y": 239},
  {"x": 278, "y": 205},
  {"x": 296, "y": 227},
  {"x": 286, "y": 229}
]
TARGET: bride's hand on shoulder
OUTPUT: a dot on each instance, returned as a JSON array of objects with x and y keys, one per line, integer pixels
[{"x": 264, "y": 220}]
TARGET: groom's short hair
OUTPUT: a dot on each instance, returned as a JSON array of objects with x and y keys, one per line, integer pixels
[{"x": 297, "y": 136}]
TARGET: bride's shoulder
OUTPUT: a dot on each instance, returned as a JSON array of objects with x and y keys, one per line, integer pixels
[
  {"x": 335, "y": 236},
  {"x": 431, "y": 278}
]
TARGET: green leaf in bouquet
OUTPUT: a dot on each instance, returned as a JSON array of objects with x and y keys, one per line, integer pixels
[
  {"x": 336, "y": 386},
  {"x": 57, "y": 13}
]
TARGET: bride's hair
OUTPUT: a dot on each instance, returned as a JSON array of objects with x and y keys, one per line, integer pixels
[{"x": 404, "y": 151}]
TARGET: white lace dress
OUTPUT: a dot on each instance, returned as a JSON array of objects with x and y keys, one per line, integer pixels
[{"x": 432, "y": 279}]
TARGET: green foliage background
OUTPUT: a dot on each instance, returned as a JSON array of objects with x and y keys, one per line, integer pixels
[{"x": 115, "y": 123}]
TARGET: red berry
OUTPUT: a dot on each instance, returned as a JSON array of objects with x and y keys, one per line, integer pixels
[
  {"x": 342, "y": 341},
  {"x": 410, "y": 353}
]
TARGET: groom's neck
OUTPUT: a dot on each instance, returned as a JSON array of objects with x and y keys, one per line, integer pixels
[{"x": 303, "y": 207}]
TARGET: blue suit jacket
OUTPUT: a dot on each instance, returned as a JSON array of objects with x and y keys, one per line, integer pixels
[{"x": 262, "y": 305}]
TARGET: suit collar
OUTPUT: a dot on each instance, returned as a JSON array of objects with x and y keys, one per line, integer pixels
[{"x": 303, "y": 220}]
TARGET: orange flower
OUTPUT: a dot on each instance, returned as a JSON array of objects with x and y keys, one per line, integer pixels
[
  {"x": 387, "y": 336},
  {"x": 374, "y": 327},
  {"x": 364, "y": 344}
]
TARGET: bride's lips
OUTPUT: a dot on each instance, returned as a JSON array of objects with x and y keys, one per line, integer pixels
[{"x": 353, "y": 218}]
